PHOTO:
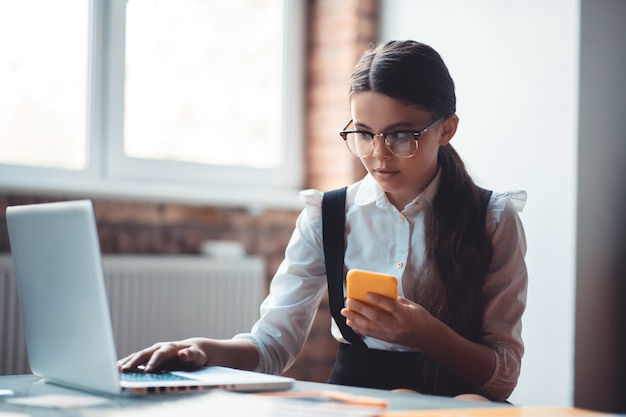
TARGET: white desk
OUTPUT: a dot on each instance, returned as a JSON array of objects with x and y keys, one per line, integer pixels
[{"x": 29, "y": 385}]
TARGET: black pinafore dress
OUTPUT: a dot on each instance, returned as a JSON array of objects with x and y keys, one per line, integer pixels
[{"x": 356, "y": 364}]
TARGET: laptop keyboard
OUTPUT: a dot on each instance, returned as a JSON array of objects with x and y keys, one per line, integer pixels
[{"x": 148, "y": 377}]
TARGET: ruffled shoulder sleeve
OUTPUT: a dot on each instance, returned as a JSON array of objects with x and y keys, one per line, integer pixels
[
  {"x": 312, "y": 200},
  {"x": 500, "y": 202}
]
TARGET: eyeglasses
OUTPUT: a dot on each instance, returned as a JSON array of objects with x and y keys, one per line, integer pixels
[{"x": 401, "y": 143}]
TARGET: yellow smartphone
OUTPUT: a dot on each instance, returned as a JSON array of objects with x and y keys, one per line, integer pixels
[{"x": 359, "y": 282}]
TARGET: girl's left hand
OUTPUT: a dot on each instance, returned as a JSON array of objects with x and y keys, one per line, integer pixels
[{"x": 398, "y": 321}]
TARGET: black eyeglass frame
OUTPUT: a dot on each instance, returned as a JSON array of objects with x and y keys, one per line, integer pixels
[{"x": 416, "y": 134}]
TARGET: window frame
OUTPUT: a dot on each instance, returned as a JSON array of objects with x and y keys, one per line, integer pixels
[{"x": 111, "y": 174}]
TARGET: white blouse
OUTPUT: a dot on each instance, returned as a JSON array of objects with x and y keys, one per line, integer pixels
[{"x": 381, "y": 238}]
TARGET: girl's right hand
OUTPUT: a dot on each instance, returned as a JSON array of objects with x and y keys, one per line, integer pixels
[{"x": 184, "y": 354}]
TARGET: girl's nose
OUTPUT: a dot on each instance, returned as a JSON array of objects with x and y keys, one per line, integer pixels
[{"x": 381, "y": 150}]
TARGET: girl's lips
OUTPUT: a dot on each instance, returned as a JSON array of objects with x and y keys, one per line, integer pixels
[
  {"x": 383, "y": 173},
  {"x": 385, "y": 170}
]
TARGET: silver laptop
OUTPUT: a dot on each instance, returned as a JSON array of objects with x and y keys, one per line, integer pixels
[{"x": 65, "y": 311}]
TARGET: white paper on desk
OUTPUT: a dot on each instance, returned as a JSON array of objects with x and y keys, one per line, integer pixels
[
  {"x": 228, "y": 404},
  {"x": 59, "y": 401},
  {"x": 9, "y": 414}
]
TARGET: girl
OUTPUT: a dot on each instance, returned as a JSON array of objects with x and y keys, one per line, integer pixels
[{"x": 456, "y": 250}]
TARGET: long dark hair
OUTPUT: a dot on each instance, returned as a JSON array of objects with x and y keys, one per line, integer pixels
[{"x": 458, "y": 248}]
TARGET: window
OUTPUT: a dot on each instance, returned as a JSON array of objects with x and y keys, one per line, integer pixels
[
  {"x": 43, "y": 79},
  {"x": 168, "y": 99}
]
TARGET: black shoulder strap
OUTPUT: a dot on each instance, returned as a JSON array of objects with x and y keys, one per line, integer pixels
[{"x": 333, "y": 235}]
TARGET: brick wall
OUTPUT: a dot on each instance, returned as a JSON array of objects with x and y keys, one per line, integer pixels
[
  {"x": 338, "y": 33},
  {"x": 154, "y": 228}
]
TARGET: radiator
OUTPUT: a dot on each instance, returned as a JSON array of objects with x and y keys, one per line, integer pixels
[{"x": 154, "y": 298}]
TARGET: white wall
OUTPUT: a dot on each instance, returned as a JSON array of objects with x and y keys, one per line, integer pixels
[{"x": 515, "y": 64}]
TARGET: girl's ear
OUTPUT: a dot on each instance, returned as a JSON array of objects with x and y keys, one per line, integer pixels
[{"x": 448, "y": 129}]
